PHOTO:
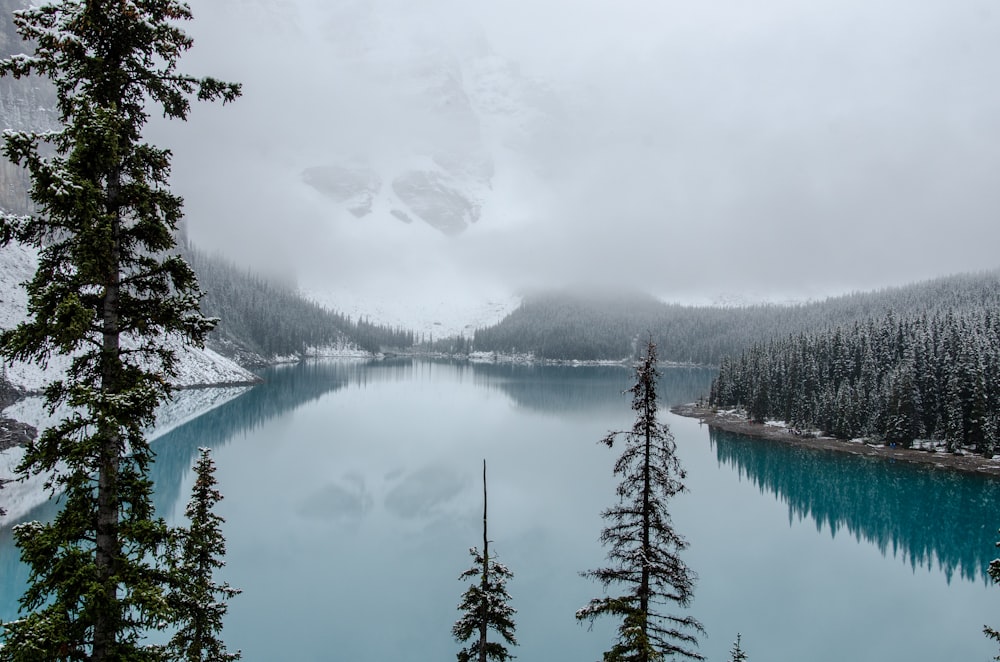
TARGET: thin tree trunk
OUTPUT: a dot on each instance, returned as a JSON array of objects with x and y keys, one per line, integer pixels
[
  {"x": 486, "y": 579},
  {"x": 646, "y": 514},
  {"x": 107, "y": 544}
]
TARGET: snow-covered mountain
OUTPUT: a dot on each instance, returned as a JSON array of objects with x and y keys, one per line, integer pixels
[
  {"x": 18, "y": 263},
  {"x": 379, "y": 128},
  {"x": 428, "y": 317},
  {"x": 452, "y": 115}
]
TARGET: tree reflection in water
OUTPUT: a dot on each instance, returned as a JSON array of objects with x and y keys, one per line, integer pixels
[{"x": 921, "y": 514}]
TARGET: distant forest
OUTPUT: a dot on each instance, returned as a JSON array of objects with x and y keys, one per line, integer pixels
[
  {"x": 899, "y": 364},
  {"x": 920, "y": 361},
  {"x": 261, "y": 319},
  {"x": 571, "y": 325},
  {"x": 929, "y": 375}
]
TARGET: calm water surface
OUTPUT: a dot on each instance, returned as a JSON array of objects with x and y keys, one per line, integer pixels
[{"x": 352, "y": 495}]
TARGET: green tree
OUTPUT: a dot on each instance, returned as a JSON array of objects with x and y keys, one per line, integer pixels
[
  {"x": 994, "y": 572},
  {"x": 109, "y": 293},
  {"x": 485, "y": 604},
  {"x": 644, "y": 547},
  {"x": 197, "y": 602},
  {"x": 737, "y": 654}
]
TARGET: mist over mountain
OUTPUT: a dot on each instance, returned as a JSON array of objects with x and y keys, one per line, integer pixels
[
  {"x": 409, "y": 148},
  {"x": 470, "y": 117},
  {"x": 447, "y": 150},
  {"x": 376, "y": 115},
  {"x": 574, "y": 325},
  {"x": 263, "y": 320}
]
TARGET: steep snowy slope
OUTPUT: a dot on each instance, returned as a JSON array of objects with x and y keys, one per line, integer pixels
[{"x": 17, "y": 264}]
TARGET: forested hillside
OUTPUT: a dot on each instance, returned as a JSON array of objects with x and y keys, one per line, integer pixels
[
  {"x": 570, "y": 325},
  {"x": 261, "y": 319},
  {"x": 930, "y": 375}
]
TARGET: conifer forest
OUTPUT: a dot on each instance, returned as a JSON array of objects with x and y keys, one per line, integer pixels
[
  {"x": 932, "y": 376},
  {"x": 204, "y": 303}
]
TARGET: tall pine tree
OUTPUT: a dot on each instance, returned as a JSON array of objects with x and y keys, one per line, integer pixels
[
  {"x": 485, "y": 604},
  {"x": 109, "y": 292},
  {"x": 645, "y": 549},
  {"x": 197, "y": 601}
]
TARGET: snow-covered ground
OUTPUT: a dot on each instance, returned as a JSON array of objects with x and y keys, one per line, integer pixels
[
  {"x": 427, "y": 315},
  {"x": 345, "y": 351},
  {"x": 17, "y": 265},
  {"x": 19, "y": 497},
  {"x": 194, "y": 367}
]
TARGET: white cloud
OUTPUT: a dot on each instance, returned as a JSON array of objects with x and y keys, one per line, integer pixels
[{"x": 691, "y": 147}]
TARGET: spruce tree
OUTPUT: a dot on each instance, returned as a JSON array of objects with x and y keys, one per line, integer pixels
[
  {"x": 737, "y": 654},
  {"x": 485, "y": 604},
  {"x": 109, "y": 293},
  {"x": 994, "y": 572},
  {"x": 645, "y": 549},
  {"x": 197, "y": 602}
]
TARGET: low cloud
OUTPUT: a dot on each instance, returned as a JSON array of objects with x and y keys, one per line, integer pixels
[{"x": 687, "y": 149}]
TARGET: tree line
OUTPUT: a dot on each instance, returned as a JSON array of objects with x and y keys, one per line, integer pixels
[
  {"x": 263, "y": 317},
  {"x": 896, "y": 378},
  {"x": 575, "y": 325}
]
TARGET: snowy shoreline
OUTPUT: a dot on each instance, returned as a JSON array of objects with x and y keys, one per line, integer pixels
[
  {"x": 19, "y": 497},
  {"x": 531, "y": 359},
  {"x": 732, "y": 421}
]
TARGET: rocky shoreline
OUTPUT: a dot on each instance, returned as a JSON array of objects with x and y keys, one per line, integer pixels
[
  {"x": 732, "y": 422},
  {"x": 15, "y": 433}
]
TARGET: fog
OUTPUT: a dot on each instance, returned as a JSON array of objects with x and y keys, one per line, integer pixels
[{"x": 773, "y": 149}]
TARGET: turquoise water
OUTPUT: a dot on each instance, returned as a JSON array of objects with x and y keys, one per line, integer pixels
[{"x": 352, "y": 495}]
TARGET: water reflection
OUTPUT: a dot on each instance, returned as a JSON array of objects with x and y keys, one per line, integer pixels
[
  {"x": 352, "y": 494},
  {"x": 346, "y": 499},
  {"x": 285, "y": 388},
  {"x": 560, "y": 390},
  {"x": 423, "y": 492},
  {"x": 923, "y": 515}
]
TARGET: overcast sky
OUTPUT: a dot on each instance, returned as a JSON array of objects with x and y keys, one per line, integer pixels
[{"x": 774, "y": 148}]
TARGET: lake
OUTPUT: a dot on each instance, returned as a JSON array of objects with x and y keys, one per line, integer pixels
[{"x": 353, "y": 492}]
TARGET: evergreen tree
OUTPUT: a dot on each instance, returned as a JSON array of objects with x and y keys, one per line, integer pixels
[
  {"x": 645, "y": 549},
  {"x": 923, "y": 376},
  {"x": 994, "y": 572},
  {"x": 737, "y": 654},
  {"x": 485, "y": 605},
  {"x": 109, "y": 293},
  {"x": 197, "y": 602}
]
